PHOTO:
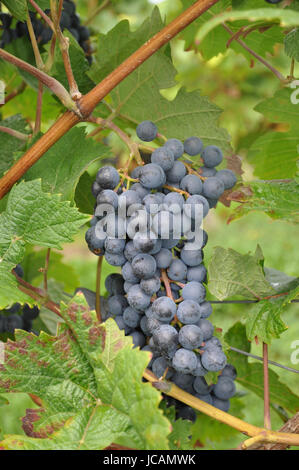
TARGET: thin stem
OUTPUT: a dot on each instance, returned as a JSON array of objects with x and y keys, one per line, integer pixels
[
  {"x": 98, "y": 289},
  {"x": 259, "y": 358},
  {"x": 46, "y": 270},
  {"x": 38, "y": 57},
  {"x": 50, "y": 82},
  {"x": 166, "y": 284},
  {"x": 90, "y": 101},
  {"x": 43, "y": 14},
  {"x": 267, "y": 415},
  {"x": 132, "y": 146},
  {"x": 96, "y": 12},
  {"x": 38, "y": 116},
  {"x": 257, "y": 56},
  {"x": 248, "y": 429},
  {"x": 172, "y": 188},
  {"x": 64, "y": 48},
  {"x": 14, "y": 133}
]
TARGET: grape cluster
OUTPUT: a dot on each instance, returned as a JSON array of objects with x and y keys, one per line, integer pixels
[
  {"x": 69, "y": 20},
  {"x": 152, "y": 230},
  {"x": 18, "y": 317}
]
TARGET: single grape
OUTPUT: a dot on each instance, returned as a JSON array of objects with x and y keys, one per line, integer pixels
[
  {"x": 200, "y": 371},
  {"x": 114, "y": 284},
  {"x": 197, "y": 273},
  {"x": 30, "y": 313},
  {"x": 150, "y": 286},
  {"x": 131, "y": 317},
  {"x": 144, "y": 241},
  {"x": 107, "y": 177},
  {"x": 222, "y": 405},
  {"x": 166, "y": 340},
  {"x": 200, "y": 386},
  {"x": 206, "y": 398},
  {"x": 205, "y": 309},
  {"x": 207, "y": 172},
  {"x": 130, "y": 251},
  {"x": 140, "y": 190},
  {"x": 214, "y": 359},
  {"x": 177, "y": 270},
  {"x": 128, "y": 273},
  {"x": 184, "y": 381},
  {"x": 163, "y": 258},
  {"x": 190, "y": 337},
  {"x": 107, "y": 196},
  {"x": 229, "y": 371},
  {"x": 193, "y": 146},
  {"x": 213, "y": 187},
  {"x": 152, "y": 324},
  {"x": 144, "y": 266},
  {"x": 196, "y": 207},
  {"x": 194, "y": 291},
  {"x": 115, "y": 259},
  {"x": 13, "y": 322},
  {"x": 115, "y": 245},
  {"x": 128, "y": 198},
  {"x": 212, "y": 156},
  {"x": 159, "y": 367},
  {"x": 163, "y": 157},
  {"x": 184, "y": 361},
  {"x": 176, "y": 173},
  {"x": 188, "y": 312},
  {"x": 152, "y": 176},
  {"x": 122, "y": 325},
  {"x": 206, "y": 327},
  {"x": 192, "y": 184},
  {"x": 137, "y": 298},
  {"x": 170, "y": 243},
  {"x": 228, "y": 178},
  {"x": 147, "y": 131},
  {"x": 138, "y": 339},
  {"x": 174, "y": 202},
  {"x": 176, "y": 146},
  {"x": 164, "y": 309},
  {"x": 191, "y": 257},
  {"x": 117, "y": 304},
  {"x": 225, "y": 388}
]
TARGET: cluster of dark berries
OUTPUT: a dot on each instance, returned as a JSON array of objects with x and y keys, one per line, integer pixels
[
  {"x": 69, "y": 20},
  {"x": 150, "y": 224},
  {"x": 18, "y": 317}
]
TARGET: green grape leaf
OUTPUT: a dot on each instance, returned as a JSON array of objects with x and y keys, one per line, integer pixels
[
  {"x": 250, "y": 374},
  {"x": 179, "y": 438},
  {"x": 264, "y": 321},
  {"x": 279, "y": 200},
  {"x": 10, "y": 145},
  {"x": 282, "y": 16},
  {"x": 231, "y": 273},
  {"x": 34, "y": 262},
  {"x": 83, "y": 198},
  {"x": 291, "y": 44},
  {"x": 3, "y": 401},
  {"x": 36, "y": 218},
  {"x": 138, "y": 96},
  {"x": 277, "y": 146},
  {"x": 89, "y": 380},
  {"x": 207, "y": 430},
  {"x": 18, "y": 8},
  {"x": 63, "y": 164}
]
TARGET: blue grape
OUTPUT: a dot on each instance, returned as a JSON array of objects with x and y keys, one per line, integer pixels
[
  {"x": 152, "y": 324},
  {"x": 212, "y": 156},
  {"x": 177, "y": 270},
  {"x": 176, "y": 173},
  {"x": 143, "y": 326},
  {"x": 150, "y": 286},
  {"x": 205, "y": 309},
  {"x": 163, "y": 157},
  {"x": 163, "y": 258},
  {"x": 228, "y": 178},
  {"x": 229, "y": 371},
  {"x": 206, "y": 327},
  {"x": 201, "y": 387},
  {"x": 107, "y": 196},
  {"x": 137, "y": 298},
  {"x": 138, "y": 339},
  {"x": 213, "y": 360},
  {"x": 147, "y": 131},
  {"x": 174, "y": 202},
  {"x": 117, "y": 304},
  {"x": 184, "y": 381},
  {"x": 195, "y": 206},
  {"x": 13, "y": 322},
  {"x": 107, "y": 177},
  {"x": 128, "y": 285},
  {"x": 115, "y": 259},
  {"x": 144, "y": 241},
  {"x": 115, "y": 245},
  {"x": 152, "y": 176},
  {"x": 144, "y": 266},
  {"x": 225, "y": 388},
  {"x": 184, "y": 361},
  {"x": 164, "y": 309},
  {"x": 223, "y": 405},
  {"x": 191, "y": 257},
  {"x": 159, "y": 367},
  {"x": 193, "y": 146},
  {"x": 131, "y": 317},
  {"x": 166, "y": 340},
  {"x": 176, "y": 146},
  {"x": 188, "y": 312},
  {"x": 121, "y": 324},
  {"x": 30, "y": 313},
  {"x": 128, "y": 198},
  {"x": 192, "y": 184},
  {"x": 130, "y": 251},
  {"x": 128, "y": 273},
  {"x": 140, "y": 190},
  {"x": 213, "y": 187},
  {"x": 190, "y": 337},
  {"x": 114, "y": 284},
  {"x": 186, "y": 412},
  {"x": 197, "y": 273},
  {"x": 207, "y": 172},
  {"x": 206, "y": 398},
  {"x": 200, "y": 371},
  {"x": 194, "y": 291}
]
